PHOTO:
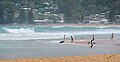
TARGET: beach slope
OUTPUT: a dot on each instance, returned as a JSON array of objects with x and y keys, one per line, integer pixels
[{"x": 93, "y": 58}]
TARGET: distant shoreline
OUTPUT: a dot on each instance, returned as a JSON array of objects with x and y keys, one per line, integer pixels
[{"x": 59, "y": 25}]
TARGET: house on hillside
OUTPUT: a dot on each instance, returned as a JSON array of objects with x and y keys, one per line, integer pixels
[
  {"x": 104, "y": 21},
  {"x": 44, "y": 21},
  {"x": 94, "y": 22},
  {"x": 99, "y": 21},
  {"x": 96, "y": 19},
  {"x": 117, "y": 21}
]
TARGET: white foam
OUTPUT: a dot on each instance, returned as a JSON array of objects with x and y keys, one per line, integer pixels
[
  {"x": 106, "y": 31},
  {"x": 101, "y": 27},
  {"x": 58, "y": 26},
  {"x": 21, "y": 30},
  {"x": 28, "y": 34},
  {"x": 48, "y": 35}
]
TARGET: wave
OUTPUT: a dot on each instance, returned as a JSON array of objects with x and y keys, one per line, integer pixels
[
  {"x": 101, "y": 27},
  {"x": 104, "y": 31},
  {"x": 52, "y": 32},
  {"x": 21, "y": 30},
  {"x": 56, "y": 35},
  {"x": 58, "y": 26}
]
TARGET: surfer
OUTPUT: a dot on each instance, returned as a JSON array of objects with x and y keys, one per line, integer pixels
[
  {"x": 71, "y": 39},
  {"x": 92, "y": 41},
  {"x": 63, "y": 40}
]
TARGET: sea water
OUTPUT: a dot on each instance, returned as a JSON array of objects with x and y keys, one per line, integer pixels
[{"x": 52, "y": 32}]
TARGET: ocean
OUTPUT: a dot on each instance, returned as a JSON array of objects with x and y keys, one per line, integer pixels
[{"x": 52, "y": 32}]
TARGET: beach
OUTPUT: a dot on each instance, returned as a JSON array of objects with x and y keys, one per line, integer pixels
[
  {"x": 105, "y": 50},
  {"x": 34, "y": 49},
  {"x": 94, "y": 58},
  {"x": 31, "y": 43}
]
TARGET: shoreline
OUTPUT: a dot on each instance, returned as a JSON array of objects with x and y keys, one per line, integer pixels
[
  {"x": 91, "y": 58},
  {"x": 75, "y": 25}
]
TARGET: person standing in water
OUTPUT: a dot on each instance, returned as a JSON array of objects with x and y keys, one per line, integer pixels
[
  {"x": 71, "y": 39},
  {"x": 64, "y": 37},
  {"x": 112, "y": 36}
]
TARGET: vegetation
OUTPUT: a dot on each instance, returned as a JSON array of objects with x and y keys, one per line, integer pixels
[
  {"x": 22, "y": 11},
  {"x": 75, "y": 10}
]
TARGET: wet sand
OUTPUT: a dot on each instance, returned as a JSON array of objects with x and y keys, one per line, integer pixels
[
  {"x": 95, "y": 58},
  {"x": 43, "y": 50},
  {"x": 100, "y": 42},
  {"x": 36, "y": 49}
]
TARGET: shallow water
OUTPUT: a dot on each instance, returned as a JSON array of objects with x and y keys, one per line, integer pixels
[
  {"x": 52, "y": 32},
  {"x": 36, "y": 50}
]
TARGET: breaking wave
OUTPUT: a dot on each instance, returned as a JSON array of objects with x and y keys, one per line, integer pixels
[
  {"x": 51, "y": 32},
  {"x": 21, "y": 30},
  {"x": 58, "y": 26}
]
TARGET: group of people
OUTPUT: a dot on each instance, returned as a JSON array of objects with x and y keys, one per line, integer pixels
[
  {"x": 93, "y": 38},
  {"x": 91, "y": 41}
]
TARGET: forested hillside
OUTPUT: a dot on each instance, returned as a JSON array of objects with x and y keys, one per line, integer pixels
[{"x": 24, "y": 11}]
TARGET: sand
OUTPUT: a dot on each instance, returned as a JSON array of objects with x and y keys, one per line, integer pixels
[{"x": 95, "y": 58}]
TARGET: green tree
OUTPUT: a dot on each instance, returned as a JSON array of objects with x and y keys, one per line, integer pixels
[
  {"x": 114, "y": 10},
  {"x": 30, "y": 17},
  {"x": 7, "y": 12},
  {"x": 70, "y": 8},
  {"x": 22, "y": 17},
  {"x": 1, "y": 13}
]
